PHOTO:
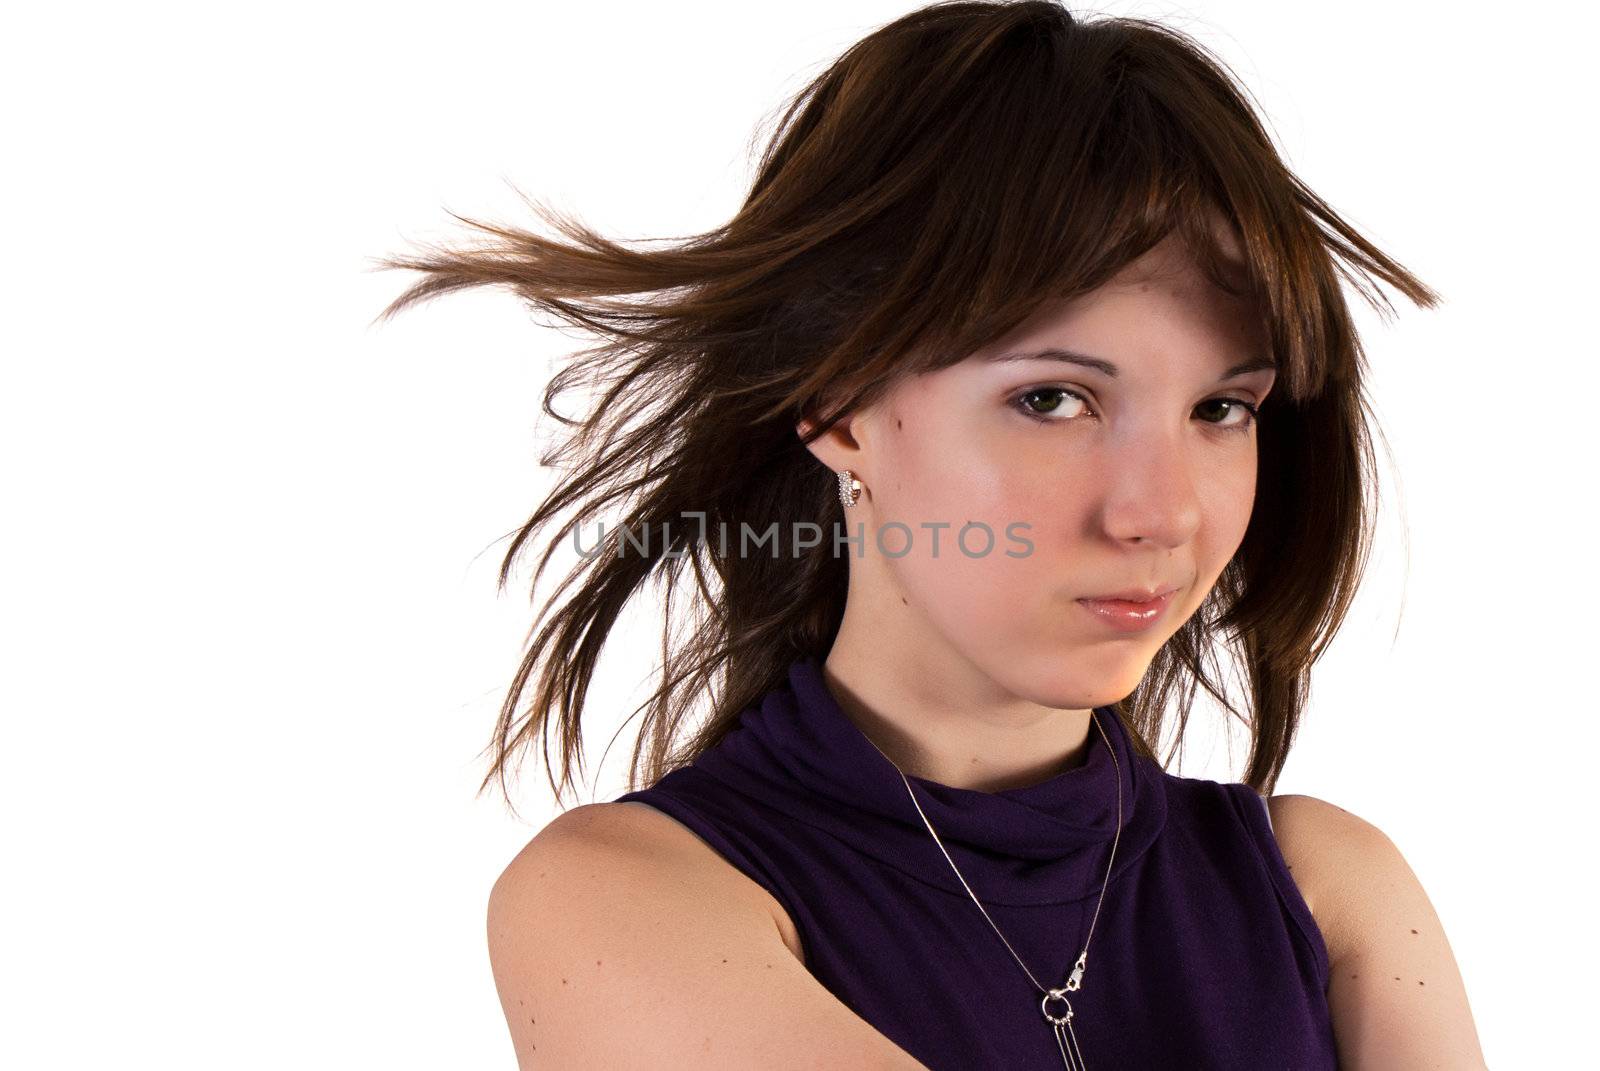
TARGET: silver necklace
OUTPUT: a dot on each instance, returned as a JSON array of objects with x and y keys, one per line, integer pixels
[
  {"x": 850, "y": 489},
  {"x": 1061, "y": 1025}
]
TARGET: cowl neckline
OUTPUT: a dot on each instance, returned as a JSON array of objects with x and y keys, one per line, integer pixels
[{"x": 796, "y": 751}]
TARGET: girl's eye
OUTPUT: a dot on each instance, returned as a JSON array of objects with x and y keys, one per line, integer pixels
[
  {"x": 1247, "y": 413},
  {"x": 1044, "y": 403},
  {"x": 1051, "y": 401}
]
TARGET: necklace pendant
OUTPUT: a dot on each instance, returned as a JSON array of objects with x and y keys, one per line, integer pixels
[
  {"x": 1061, "y": 1026},
  {"x": 1044, "y": 1006}
]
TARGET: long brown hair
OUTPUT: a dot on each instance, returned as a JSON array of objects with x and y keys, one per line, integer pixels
[{"x": 940, "y": 180}]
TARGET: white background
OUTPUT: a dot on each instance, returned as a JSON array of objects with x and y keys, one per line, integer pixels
[{"x": 252, "y": 642}]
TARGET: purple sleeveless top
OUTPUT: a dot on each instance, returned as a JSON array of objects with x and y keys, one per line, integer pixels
[{"x": 1204, "y": 956}]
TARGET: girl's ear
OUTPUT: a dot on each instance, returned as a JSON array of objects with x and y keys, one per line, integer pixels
[{"x": 837, "y": 447}]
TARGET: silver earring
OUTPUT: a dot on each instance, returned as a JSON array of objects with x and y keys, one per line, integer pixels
[{"x": 849, "y": 488}]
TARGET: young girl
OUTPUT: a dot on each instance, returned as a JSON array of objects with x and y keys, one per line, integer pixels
[{"x": 1021, "y": 387}]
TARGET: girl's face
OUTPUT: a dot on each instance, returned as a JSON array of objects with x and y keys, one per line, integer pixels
[{"x": 1132, "y": 466}]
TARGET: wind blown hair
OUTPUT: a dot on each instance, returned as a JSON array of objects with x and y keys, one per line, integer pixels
[{"x": 938, "y": 182}]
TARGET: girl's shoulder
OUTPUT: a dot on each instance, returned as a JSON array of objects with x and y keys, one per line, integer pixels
[
  {"x": 669, "y": 850},
  {"x": 1389, "y": 954}
]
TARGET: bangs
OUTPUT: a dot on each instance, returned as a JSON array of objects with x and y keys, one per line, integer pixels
[{"x": 1034, "y": 163}]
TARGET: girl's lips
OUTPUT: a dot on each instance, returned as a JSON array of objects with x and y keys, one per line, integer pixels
[{"x": 1127, "y": 615}]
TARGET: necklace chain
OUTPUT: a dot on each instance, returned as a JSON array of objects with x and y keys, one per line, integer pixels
[{"x": 1075, "y": 981}]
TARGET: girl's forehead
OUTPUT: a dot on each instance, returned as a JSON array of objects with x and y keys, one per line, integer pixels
[
  {"x": 1173, "y": 262},
  {"x": 1183, "y": 293}
]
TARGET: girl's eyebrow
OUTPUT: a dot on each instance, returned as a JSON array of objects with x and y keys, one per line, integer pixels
[{"x": 1056, "y": 353}]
